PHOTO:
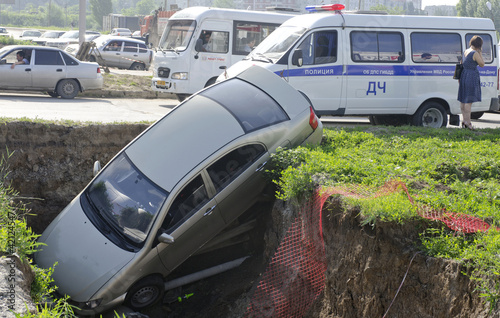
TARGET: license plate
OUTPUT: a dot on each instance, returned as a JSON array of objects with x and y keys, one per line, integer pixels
[{"x": 160, "y": 83}]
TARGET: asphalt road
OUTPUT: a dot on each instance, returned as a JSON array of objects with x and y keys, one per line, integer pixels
[{"x": 117, "y": 110}]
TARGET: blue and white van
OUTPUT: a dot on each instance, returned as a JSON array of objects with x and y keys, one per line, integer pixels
[{"x": 395, "y": 69}]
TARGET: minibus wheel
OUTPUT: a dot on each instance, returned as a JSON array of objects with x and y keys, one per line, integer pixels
[
  {"x": 145, "y": 293},
  {"x": 431, "y": 114}
]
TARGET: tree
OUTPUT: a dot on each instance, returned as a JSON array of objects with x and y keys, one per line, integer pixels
[{"x": 100, "y": 8}]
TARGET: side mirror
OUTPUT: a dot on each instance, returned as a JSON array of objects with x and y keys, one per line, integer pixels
[
  {"x": 97, "y": 168},
  {"x": 297, "y": 58},
  {"x": 199, "y": 45},
  {"x": 165, "y": 238}
]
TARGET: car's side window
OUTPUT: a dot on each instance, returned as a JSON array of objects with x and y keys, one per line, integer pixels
[
  {"x": 188, "y": 201},
  {"x": 69, "y": 60},
  {"x": 130, "y": 47},
  {"x": 227, "y": 168},
  {"x": 142, "y": 48},
  {"x": 46, "y": 57}
]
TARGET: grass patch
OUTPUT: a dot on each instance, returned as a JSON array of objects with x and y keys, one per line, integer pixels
[{"x": 444, "y": 169}]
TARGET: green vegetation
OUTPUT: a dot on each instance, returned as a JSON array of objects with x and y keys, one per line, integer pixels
[
  {"x": 17, "y": 238},
  {"x": 452, "y": 170}
]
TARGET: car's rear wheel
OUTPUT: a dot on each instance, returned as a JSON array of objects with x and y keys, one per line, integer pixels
[
  {"x": 138, "y": 67},
  {"x": 431, "y": 114},
  {"x": 476, "y": 115},
  {"x": 53, "y": 94},
  {"x": 67, "y": 88},
  {"x": 145, "y": 293}
]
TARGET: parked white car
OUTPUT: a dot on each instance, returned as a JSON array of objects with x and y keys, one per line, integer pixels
[
  {"x": 28, "y": 35},
  {"x": 172, "y": 189},
  {"x": 121, "y": 32},
  {"x": 4, "y": 32},
  {"x": 70, "y": 37},
  {"x": 47, "y": 36},
  {"x": 47, "y": 69}
]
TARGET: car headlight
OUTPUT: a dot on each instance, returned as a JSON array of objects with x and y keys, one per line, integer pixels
[
  {"x": 180, "y": 76},
  {"x": 91, "y": 304}
]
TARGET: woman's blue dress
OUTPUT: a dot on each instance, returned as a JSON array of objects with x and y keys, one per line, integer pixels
[{"x": 469, "y": 87}]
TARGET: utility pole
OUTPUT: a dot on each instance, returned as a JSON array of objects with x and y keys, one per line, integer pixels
[{"x": 81, "y": 21}]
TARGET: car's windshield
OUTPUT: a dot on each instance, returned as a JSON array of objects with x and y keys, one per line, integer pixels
[
  {"x": 278, "y": 42},
  {"x": 125, "y": 199},
  {"x": 177, "y": 35},
  {"x": 70, "y": 35}
]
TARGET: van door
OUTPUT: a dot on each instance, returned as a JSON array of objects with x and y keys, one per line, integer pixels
[
  {"x": 192, "y": 219},
  {"x": 377, "y": 74},
  {"x": 320, "y": 76},
  {"x": 213, "y": 56}
]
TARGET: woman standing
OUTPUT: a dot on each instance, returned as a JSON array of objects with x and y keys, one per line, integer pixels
[{"x": 469, "y": 85}]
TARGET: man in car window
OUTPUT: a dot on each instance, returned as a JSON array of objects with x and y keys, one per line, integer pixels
[{"x": 20, "y": 59}]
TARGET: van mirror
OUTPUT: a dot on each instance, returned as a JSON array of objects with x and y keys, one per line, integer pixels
[
  {"x": 297, "y": 58},
  {"x": 199, "y": 45},
  {"x": 165, "y": 238},
  {"x": 97, "y": 167}
]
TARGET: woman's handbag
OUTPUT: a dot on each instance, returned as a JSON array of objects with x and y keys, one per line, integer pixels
[{"x": 458, "y": 71}]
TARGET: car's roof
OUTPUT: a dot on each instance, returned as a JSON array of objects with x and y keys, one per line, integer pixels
[
  {"x": 24, "y": 47},
  {"x": 119, "y": 38},
  {"x": 198, "y": 128}
]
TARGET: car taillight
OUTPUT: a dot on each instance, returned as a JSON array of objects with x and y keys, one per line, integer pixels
[
  {"x": 313, "y": 120},
  {"x": 98, "y": 70}
]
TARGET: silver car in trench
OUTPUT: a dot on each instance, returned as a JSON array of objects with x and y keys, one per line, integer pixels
[{"x": 172, "y": 189}]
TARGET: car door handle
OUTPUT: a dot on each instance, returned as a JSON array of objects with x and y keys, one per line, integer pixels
[
  {"x": 59, "y": 70},
  {"x": 209, "y": 211},
  {"x": 259, "y": 168},
  {"x": 28, "y": 70}
]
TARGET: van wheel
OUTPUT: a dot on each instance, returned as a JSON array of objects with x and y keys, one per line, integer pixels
[
  {"x": 211, "y": 81},
  {"x": 145, "y": 293},
  {"x": 137, "y": 67},
  {"x": 476, "y": 115},
  {"x": 67, "y": 88},
  {"x": 431, "y": 114},
  {"x": 182, "y": 97}
]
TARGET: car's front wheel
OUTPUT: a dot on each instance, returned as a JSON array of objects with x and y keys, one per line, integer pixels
[
  {"x": 138, "y": 67},
  {"x": 145, "y": 293},
  {"x": 67, "y": 88}
]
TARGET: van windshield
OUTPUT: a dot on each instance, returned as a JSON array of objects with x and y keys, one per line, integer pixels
[
  {"x": 177, "y": 35},
  {"x": 125, "y": 200},
  {"x": 277, "y": 43}
]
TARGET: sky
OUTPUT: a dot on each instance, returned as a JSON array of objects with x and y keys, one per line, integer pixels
[{"x": 438, "y": 2}]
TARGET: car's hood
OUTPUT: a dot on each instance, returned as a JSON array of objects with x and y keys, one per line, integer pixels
[{"x": 85, "y": 258}]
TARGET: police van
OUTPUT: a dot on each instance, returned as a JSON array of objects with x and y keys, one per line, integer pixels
[
  {"x": 394, "y": 69},
  {"x": 198, "y": 43}
]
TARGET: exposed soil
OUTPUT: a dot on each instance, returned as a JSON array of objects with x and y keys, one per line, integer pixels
[{"x": 366, "y": 266}]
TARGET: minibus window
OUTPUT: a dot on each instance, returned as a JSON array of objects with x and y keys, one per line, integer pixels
[
  {"x": 247, "y": 35},
  {"x": 486, "y": 50},
  {"x": 177, "y": 35},
  {"x": 125, "y": 199},
  {"x": 387, "y": 47},
  {"x": 432, "y": 47},
  {"x": 279, "y": 42}
]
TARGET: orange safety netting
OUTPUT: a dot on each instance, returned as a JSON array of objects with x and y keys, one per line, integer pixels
[{"x": 295, "y": 276}]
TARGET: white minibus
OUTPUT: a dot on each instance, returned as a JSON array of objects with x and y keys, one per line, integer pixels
[
  {"x": 198, "y": 43},
  {"x": 395, "y": 69}
]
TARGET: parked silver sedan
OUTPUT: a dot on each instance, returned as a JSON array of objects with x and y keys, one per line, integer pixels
[
  {"x": 172, "y": 189},
  {"x": 122, "y": 52},
  {"x": 37, "y": 68}
]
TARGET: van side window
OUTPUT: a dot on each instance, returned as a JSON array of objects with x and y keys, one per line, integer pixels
[
  {"x": 386, "y": 47},
  {"x": 247, "y": 35},
  {"x": 431, "y": 47},
  {"x": 486, "y": 50},
  {"x": 229, "y": 167},
  {"x": 215, "y": 41},
  {"x": 188, "y": 201}
]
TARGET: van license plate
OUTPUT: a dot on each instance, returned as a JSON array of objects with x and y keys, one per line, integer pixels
[{"x": 160, "y": 83}]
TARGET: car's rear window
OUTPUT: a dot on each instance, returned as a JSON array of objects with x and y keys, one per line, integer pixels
[{"x": 253, "y": 108}]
